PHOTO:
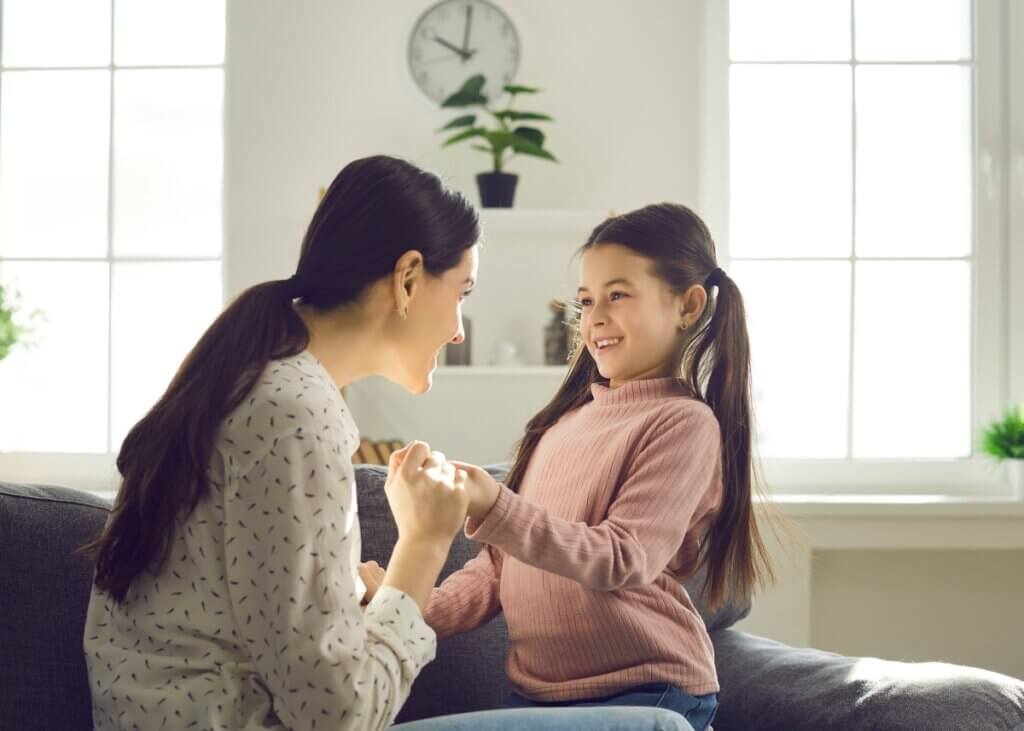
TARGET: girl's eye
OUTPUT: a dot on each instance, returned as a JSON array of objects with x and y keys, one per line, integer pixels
[
  {"x": 465, "y": 294},
  {"x": 584, "y": 302},
  {"x": 616, "y": 295}
]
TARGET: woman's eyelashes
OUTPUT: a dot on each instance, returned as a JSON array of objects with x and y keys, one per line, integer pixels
[{"x": 465, "y": 294}]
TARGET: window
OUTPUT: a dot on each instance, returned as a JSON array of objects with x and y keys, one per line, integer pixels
[
  {"x": 856, "y": 217},
  {"x": 111, "y": 198}
]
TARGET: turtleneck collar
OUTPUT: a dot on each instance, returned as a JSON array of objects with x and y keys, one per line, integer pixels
[{"x": 641, "y": 390}]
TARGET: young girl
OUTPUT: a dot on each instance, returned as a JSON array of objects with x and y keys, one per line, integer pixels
[{"x": 636, "y": 474}]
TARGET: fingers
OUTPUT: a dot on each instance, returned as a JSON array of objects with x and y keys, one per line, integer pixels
[
  {"x": 416, "y": 455},
  {"x": 466, "y": 467}
]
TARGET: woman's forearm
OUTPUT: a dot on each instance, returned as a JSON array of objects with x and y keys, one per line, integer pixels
[{"x": 414, "y": 568}]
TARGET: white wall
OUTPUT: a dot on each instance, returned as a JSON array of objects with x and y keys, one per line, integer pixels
[{"x": 313, "y": 84}]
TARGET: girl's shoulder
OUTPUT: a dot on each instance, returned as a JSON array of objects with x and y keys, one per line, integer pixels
[{"x": 682, "y": 412}]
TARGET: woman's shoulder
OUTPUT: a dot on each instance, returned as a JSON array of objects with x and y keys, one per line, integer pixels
[{"x": 290, "y": 396}]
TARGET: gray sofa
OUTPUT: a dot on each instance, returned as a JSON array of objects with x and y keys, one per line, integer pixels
[{"x": 44, "y": 590}]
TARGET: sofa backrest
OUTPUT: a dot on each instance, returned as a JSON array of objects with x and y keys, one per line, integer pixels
[{"x": 44, "y": 592}]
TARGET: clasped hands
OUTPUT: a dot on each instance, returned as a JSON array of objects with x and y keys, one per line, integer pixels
[{"x": 430, "y": 498}]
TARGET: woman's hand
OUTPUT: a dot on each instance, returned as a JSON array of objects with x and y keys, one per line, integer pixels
[
  {"x": 373, "y": 576},
  {"x": 427, "y": 495},
  {"x": 481, "y": 488}
]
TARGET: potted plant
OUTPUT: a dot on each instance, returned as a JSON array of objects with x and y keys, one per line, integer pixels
[
  {"x": 505, "y": 135},
  {"x": 1004, "y": 440},
  {"x": 11, "y": 331}
]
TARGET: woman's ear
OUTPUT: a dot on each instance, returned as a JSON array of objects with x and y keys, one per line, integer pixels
[{"x": 406, "y": 280}]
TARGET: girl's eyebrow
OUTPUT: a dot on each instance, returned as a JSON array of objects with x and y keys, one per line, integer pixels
[{"x": 620, "y": 280}]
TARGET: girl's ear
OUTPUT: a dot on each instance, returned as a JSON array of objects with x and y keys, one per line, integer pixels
[
  {"x": 691, "y": 305},
  {"x": 406, "y": 280}
]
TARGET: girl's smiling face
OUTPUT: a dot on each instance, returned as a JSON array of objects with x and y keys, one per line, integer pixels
[{"x": 630, "y": 318}]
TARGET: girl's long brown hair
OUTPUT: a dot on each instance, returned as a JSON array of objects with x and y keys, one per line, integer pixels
[
  {"x": 376, "y": 209},
  {"x": 715, "y": 364}
]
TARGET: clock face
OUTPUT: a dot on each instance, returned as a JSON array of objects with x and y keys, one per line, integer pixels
[{"x": 456, "y": 39}]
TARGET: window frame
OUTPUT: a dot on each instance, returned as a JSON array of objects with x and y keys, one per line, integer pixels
[
  {"x": 997, "y": 343},
  {"x": 97, "y": 471}
]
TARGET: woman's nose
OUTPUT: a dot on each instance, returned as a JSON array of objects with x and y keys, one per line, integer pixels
[{"x": 460, "y": 336}]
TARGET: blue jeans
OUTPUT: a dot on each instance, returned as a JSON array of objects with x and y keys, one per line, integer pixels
[
  {"x": 698, "y": 710},
  {"x": 555, "y": 719}
]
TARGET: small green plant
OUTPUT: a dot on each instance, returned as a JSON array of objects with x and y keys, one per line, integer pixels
[
  {"x": 11, "y": 331},
  {"x": 504, "y": 135},
  {"x": 1004, "y": 439}
]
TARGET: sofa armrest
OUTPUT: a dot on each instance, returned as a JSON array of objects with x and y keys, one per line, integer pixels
[{"x": 769, "y": 685}]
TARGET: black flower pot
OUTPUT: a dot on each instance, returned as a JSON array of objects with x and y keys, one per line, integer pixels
[{"x": 497, "y": 190}]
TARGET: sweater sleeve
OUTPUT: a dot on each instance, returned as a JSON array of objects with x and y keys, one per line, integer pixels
[
  {"x": 673, "y": 474},
  {"x": 288, "y": 532},
  {"x": 469, "y": 597}
]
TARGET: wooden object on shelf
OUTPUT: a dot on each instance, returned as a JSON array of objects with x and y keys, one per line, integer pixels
[{"x": 375, "y": 452}]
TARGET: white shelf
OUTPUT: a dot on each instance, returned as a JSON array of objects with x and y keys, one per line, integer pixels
[{"x": 484, "y": 371}]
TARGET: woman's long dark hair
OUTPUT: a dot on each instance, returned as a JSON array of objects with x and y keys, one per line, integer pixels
[
  {"x": 376, "y": 209},
  {"x": 715, "y": 364}
]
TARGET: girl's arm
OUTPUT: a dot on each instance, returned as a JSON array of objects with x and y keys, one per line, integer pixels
[
  {"x": 672, "y": 477},
  {"x": 468, "y": 598},
  {"x": 288, "y": 524}
]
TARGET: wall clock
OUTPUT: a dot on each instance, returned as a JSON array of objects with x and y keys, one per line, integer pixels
[{"x": 456, "y": 39}]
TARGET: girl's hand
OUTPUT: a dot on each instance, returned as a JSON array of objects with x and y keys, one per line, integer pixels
[
  {"x": 483, "y": 490},
  {"x": 373, "y": 576},
  {"x": 427, "y": 495}
]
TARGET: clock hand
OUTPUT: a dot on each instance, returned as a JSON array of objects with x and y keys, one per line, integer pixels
[
  {"x": 465, "y": 35},
  {"x": 452, "y": 47}
]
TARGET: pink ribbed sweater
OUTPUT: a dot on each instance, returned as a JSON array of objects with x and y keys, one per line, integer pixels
[{"x": 585, "y": 561}]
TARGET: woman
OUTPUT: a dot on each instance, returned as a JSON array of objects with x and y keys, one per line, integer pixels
[{"x": 226, "y": 592}]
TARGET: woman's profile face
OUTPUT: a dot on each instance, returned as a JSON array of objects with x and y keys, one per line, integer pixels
[{"x": 435, "y": 319}]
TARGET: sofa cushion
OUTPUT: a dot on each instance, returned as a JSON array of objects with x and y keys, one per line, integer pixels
[
  {"x": 769, "y": 686},
  {"x": 43, "y": 601}
]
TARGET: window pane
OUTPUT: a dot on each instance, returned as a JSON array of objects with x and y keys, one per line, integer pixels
[
  {"x": 54, "y": 163},
  {"x": 160, "y": 312},
  {"x": 789, "y": 30},
  {"x": 913, "y": 161},
  {"x": 798, "y": 318},
  {"x": 790, "y": 161},
  {"x": 913, "y": 30},
  {"x": 54, "y": 395},
  {"x": 168, "y": 32},
  {"x": 912, "y": 360},
  {"x": 168, "y": 163},
  {"x": 56, "y": 32}
]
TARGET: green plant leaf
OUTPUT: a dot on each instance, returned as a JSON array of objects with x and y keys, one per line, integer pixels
[
  {"x": 524, "y": 146},
  {"x": 464, "y": 135},
  {"x": 470, "y": 94},
  {"x": 531, "y": 134},
  {"x": 514, "y": 89},
  {"x": 458, "y": 99},
  {"x": 473, "y": 85},
  {"x": 515, "y": 116},
  {"x": 1004, "y": 439},
  {"x": 482, "y": 148},
  {"x": 466, "y": 120}
]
